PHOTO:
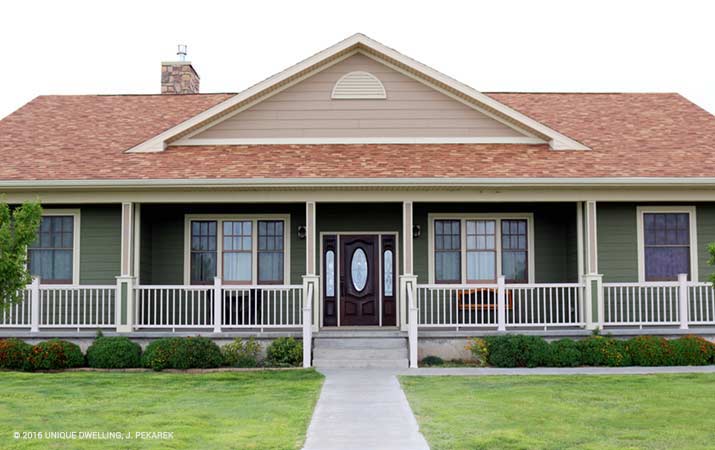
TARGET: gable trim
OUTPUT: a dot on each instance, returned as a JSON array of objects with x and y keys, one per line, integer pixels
[
  {"x": 187, "y": 138},
  {"x": 556, "y": 140}
]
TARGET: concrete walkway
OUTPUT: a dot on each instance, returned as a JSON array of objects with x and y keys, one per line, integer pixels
[
  {"x": 462, "y": 371},
  {"x": 363, "y": 409}
]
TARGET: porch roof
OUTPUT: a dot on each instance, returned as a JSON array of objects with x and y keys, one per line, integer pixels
[{"x": 86, "y": 138}]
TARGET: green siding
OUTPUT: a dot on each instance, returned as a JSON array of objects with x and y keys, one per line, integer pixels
[
  {"x": 618, "y": 239},
  {"x": 100, "y": 244},
  {"x": 554, "y": 229},
  {"x": 617, "y": 242},
  {"x": 162, "y": 259},
  {"x": 706, "y": 234}
]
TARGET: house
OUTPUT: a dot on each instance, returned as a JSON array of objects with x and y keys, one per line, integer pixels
[{"x": 361, "y": 200}]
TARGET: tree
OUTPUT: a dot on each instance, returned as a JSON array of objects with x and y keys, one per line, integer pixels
[
  {"x": 711, "y": 260},
  {"x": 18, "y": 229}
]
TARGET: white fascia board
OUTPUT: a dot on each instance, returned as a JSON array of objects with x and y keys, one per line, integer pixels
[
  {"x": 359, "y": 140},
  {"x": 557, "y": 141},
  {"x": 359, "y": 182}
]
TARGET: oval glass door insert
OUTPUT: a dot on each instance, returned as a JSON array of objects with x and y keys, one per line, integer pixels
[{"x": 358, "y": 269}]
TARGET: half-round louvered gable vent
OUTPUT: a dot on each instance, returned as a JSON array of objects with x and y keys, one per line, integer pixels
[{"x": 359, "y": 85}]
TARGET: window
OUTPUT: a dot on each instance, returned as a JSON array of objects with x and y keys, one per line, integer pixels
[
  {"x": 237, "y": 254},
  {"x": 447, "y": 251},
  {"x": 203, "y": 251},
  {"x": 270, "y": 252},
  {"x": 387, "y": 275},
  {"x": 330, "y": 273},
  {"x": 481, "y": 251},
  {"x": 242, "y": 250},
  {"x": 514, "y": 251},
  {"x": 51, "y": 256},
  {"x": 666, "y": 241},
  {"x": 479, "y": 248}
]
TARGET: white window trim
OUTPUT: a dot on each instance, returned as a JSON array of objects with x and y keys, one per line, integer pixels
[
  {"x": 529, "y": 217},
  {"x": 220, "y": 218},
  {"x": 693, "y": 223},
  {"x": 75, "y": 213}
]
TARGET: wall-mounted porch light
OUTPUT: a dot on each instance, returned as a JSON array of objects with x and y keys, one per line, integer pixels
[
  {"x": 416, "y": 231},
  {"x": 301, "y": 232}
]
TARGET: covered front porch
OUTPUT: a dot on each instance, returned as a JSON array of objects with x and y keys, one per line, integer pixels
[{"x": 408, "y": 267}]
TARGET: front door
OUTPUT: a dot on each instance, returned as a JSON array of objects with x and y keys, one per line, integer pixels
[{"x": 359, "y": 280}]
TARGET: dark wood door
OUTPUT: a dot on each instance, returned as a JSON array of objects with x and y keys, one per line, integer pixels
[{"x": 359, "y": 286}]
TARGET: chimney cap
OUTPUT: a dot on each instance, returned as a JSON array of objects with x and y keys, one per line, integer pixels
[{"x": 181, "y": 52}]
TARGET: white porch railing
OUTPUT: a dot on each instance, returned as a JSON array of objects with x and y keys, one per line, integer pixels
[
  {"x": 478, "y": 305},
  {"x": 77, "y": 306},
  {"x": 681, "y": 302},
  {"x": 641, "y": 304},
  {"x": 173, "y": 306},
  {"x": 18, "y": 315},
  {"x": 255, "y": 306},
  {"x": 55, "y": 306},
  {"x": 264, "y": 306},
  {"x": 701, "y": 304},
  {"x": 544, "y": 305}
]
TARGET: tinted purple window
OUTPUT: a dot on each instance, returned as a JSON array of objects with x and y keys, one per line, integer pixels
[{"x": 667, "y": 245}]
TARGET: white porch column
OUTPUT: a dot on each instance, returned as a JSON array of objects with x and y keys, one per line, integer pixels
[
  {"x": 407, "y": 261},
  {"x": 501, "y": 303},
  {"x": 683, "y": 300},
  {"x": 593, "y": 281},
  {"x": 311, "y": 266},
  {"x": 310, "y": 293},
  {"x": 124, "y": 300},
  {"x": 35, "y": 305}
]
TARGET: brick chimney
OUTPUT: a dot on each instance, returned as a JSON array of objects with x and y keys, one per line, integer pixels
[{"x": 179, "y": 77}]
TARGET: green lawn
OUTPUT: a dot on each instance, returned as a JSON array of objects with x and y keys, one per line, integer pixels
[
  {"x": 565, "y": 412},
  {"x": 251, "y": 410}
]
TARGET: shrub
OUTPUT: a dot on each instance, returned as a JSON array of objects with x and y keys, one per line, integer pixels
[
  {"x": 14, "y": 353},
  {"x": 517, "y": 351},
  {"x": 240, "y": 353},
  {"x": 55, "y": 354},
  {"x": 691, "y": 351},
  {"x": 284, "y": 351},
  {"x": 649, "y": 351},
  {"x": 564, "y": 353},
  {"x": 480, "y": 351},
  {"x": 432, "y": 361},
  {"x": 117, "y": 352},
  {"x": 604, "y": 351},
  {"x": 182, "y": 353}
]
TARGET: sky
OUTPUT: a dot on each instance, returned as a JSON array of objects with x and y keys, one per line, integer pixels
[{"x": 115, "y": 47}]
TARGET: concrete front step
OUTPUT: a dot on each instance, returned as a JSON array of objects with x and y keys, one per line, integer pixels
[
  {"x": 360, "y": 343},
  {"x": 362, "y": 353},
  {"x": 360, "y": 363}
]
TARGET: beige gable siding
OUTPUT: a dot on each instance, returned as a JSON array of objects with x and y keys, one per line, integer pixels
[{"x": 307, "y": 110}]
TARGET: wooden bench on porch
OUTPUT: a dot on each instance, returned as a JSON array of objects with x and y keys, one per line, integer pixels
[{"x": 481, "y": 299}]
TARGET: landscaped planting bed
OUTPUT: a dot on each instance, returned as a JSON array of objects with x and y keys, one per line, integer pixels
[
  {"x": 182, "y": 353},
  {"x": 246, "y": 410},
  {"x": 535, "y": 351},
  {"x": 564, "y": 412}
]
